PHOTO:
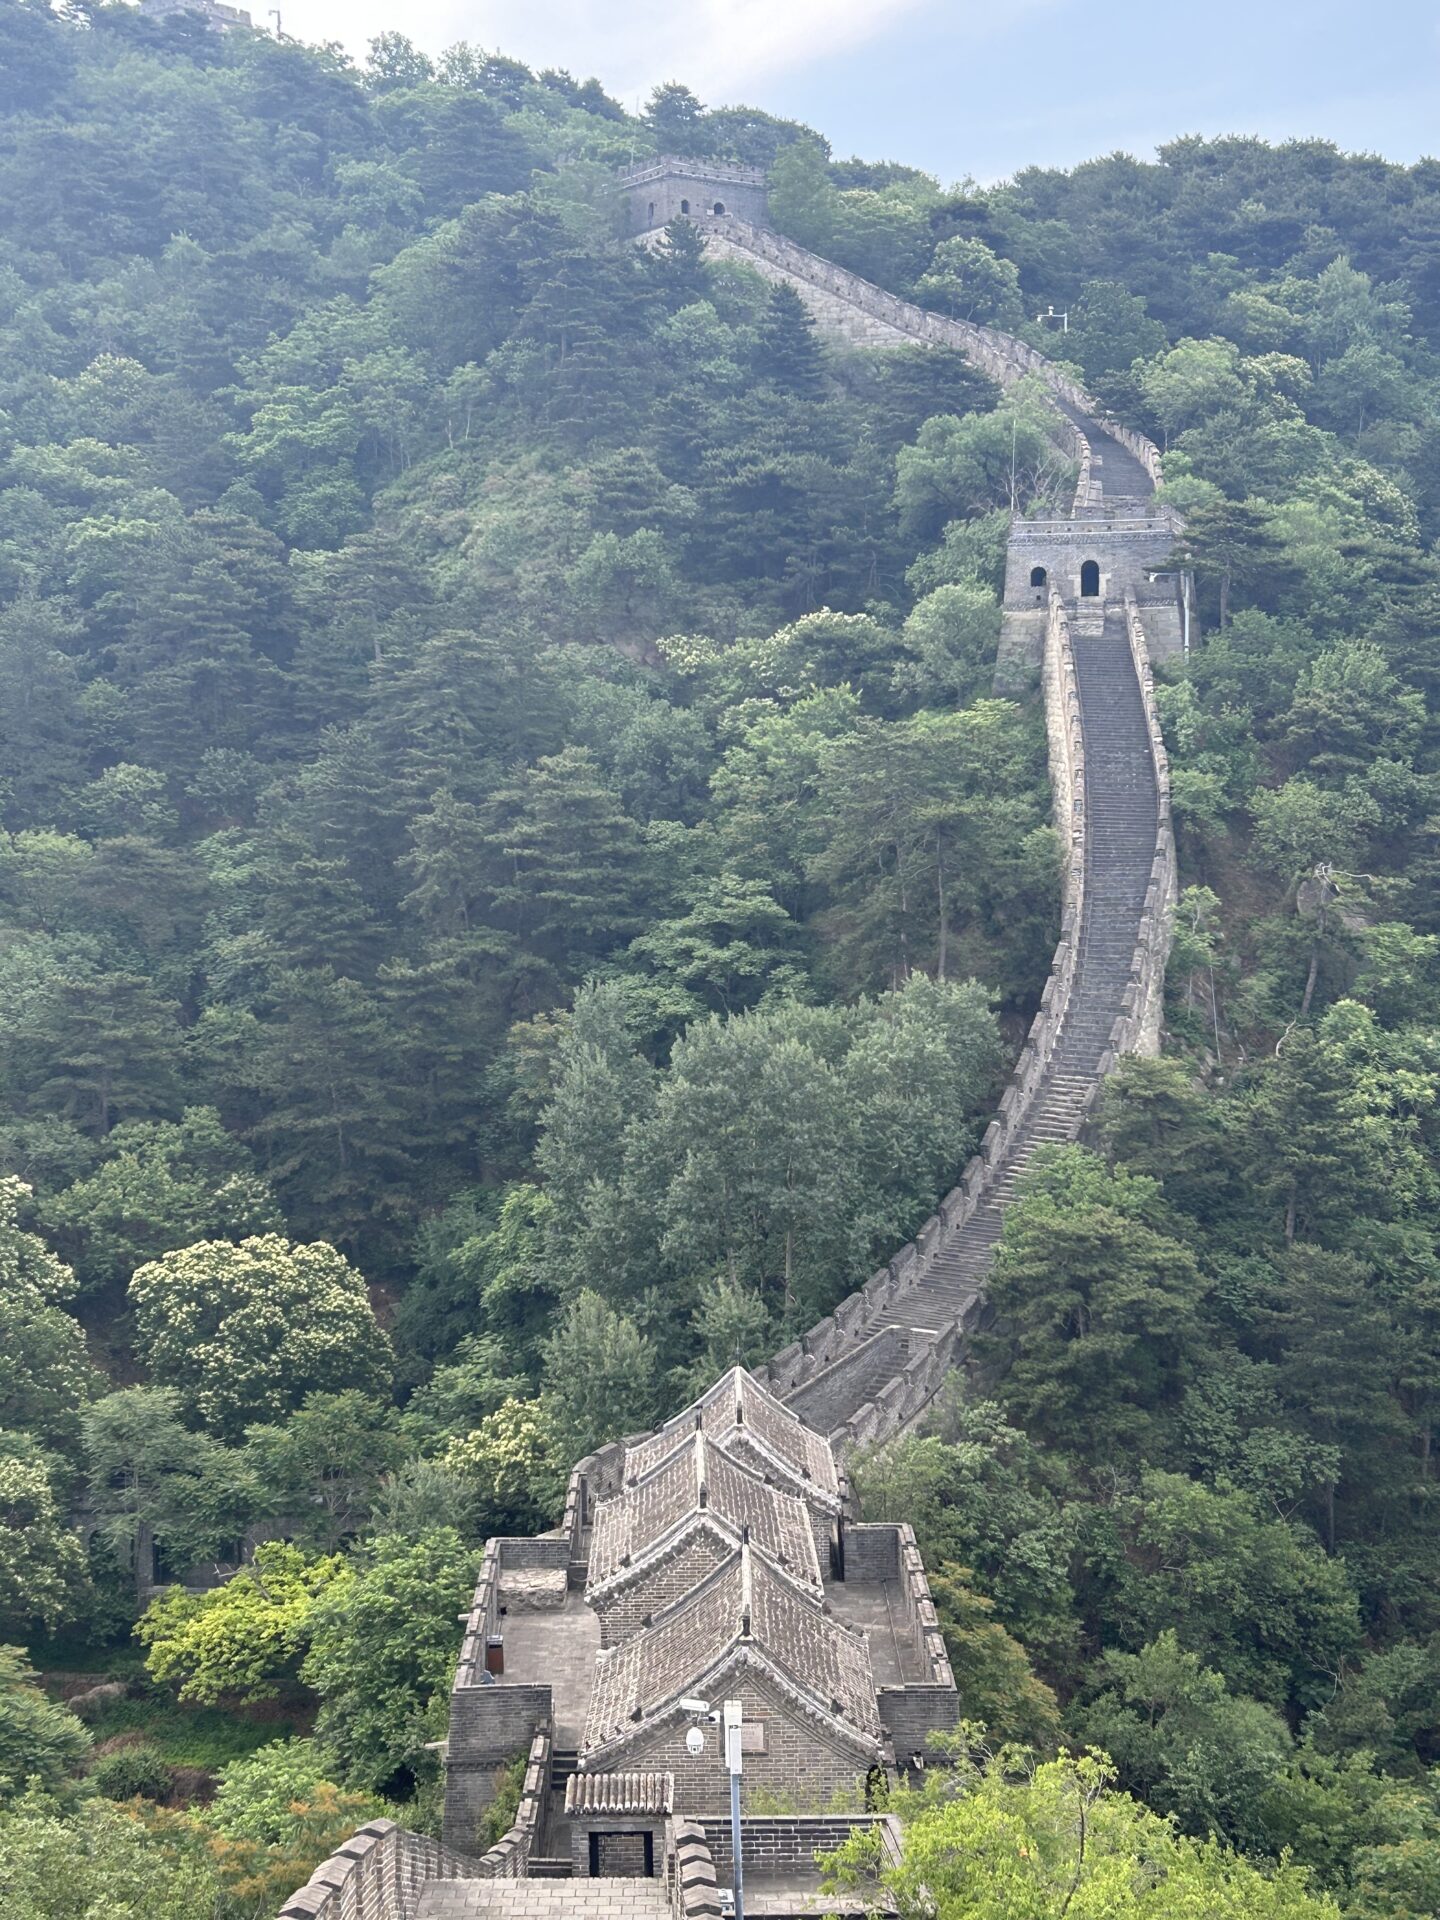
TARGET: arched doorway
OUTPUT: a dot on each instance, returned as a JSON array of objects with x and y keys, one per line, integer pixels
[
  {"x": 684, "y": 206},
  {"x": 1038, "y": 576},
  {"x": 1090, "y": 580},
  {"x": 719, "y": 206}
]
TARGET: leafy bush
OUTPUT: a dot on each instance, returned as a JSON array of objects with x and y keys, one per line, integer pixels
[{"x": 131, "y": 1773}]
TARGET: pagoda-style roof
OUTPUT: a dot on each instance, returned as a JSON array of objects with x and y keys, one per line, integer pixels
[
  {"x": 747, "y": 1612},
  {"x": 739, "y": 1416},
  {"x": 697, "y": 1488}
]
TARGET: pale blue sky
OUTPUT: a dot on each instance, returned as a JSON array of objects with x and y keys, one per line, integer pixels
[{"x": 978, "y": 87}]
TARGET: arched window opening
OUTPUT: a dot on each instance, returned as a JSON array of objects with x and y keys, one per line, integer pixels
[
  {"x": 1037, "y": 576},
  {"x": 684, "y": 206},
  {"x": 1090, "y": 580},
  {"x": 719, "y": 206}
]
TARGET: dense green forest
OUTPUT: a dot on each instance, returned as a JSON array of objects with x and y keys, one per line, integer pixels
[{"x": 515, "y": 892}]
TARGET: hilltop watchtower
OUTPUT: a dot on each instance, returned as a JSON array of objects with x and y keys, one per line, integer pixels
[
  {"x": 672, "y": 188},
  {"x": 217, "y": 17}
]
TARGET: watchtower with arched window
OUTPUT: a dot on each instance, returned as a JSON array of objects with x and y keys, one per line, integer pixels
[{"x": 659, "y": 191}]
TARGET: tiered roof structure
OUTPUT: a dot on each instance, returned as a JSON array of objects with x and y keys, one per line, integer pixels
[
  {"x": 697, "y": 1488},
  {"x": 746, "y": 1614}
]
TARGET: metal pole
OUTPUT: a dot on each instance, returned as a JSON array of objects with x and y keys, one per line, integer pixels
[
  {"x": 734, "y": 1718},
  {"x": 735, "y": 1846}
]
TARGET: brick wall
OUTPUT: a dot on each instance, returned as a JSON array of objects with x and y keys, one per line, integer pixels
[
  {"x": 912, "y": 1714},
  {"x": 376, "y": 1875},
  {"x": 872, "y": 1552},
  {"x": 788, "y": 1843},
  {"x": 489, "y": 1725},
  {"x": 1126, "y": 547},
  {"x": 676, "y": 189},
  {"x": 905, "y": 1393},
  {"x": 690, "y": 1873},
  {"x": 509, "y": 1858}
]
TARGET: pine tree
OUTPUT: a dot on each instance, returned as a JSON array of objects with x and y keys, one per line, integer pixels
[
  {"x": 565, "y": 863},
  {"x": 787, "y": 352}
]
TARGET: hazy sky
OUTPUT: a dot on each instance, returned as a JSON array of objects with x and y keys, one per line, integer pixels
[{"x": 975, "y": 86}]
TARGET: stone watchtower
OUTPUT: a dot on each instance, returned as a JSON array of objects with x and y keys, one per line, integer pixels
[{"x": 674, "y": 189}]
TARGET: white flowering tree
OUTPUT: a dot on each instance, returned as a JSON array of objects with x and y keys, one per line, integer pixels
[{"x": 245, "y": 1331}]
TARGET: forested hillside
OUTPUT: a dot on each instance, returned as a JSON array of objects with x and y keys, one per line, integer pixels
[{"x": 515, "y": 892}]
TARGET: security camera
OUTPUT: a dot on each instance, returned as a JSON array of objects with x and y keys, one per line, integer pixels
[{"x": 695, "y": 1740}]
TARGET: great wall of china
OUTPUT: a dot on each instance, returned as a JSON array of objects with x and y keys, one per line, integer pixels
[{"x": 1087, "y": 602}]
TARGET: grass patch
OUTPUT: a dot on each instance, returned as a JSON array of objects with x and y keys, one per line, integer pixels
[{"x": 206, "y": 1737}]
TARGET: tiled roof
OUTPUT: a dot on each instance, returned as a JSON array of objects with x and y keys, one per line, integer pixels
[
  {"x": 738, "y": 1410},
  {"x": 745, "y": 1605},
  {"x": 698, "y": 1486},
  {"x": 620, "y": 1793}
]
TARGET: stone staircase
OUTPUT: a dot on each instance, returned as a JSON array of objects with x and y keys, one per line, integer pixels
[{"x": 1120, "y": 803}]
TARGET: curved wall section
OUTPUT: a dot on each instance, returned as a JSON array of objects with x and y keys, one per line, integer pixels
[{"x": 867, "y": 1369}]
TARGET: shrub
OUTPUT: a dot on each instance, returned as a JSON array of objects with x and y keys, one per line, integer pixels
[{"x": 130, "y": 1773}]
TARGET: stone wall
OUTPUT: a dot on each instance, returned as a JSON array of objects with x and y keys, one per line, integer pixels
[
  {"x": 1139, "y": 1029},
  {"x": 798, "y": 1746},
  {"x": 840, "y": 1334},
  {"x": 690, "y": 1877},
  {"x": 376, "y": 1875},
  {"x": 863, "y": 315},
  {"x": 1127, "y": 546},
  {"x": 787, "y": 1843},
  {"x": 509, "y": 1858},
  {"x": 491, "y": 1720}
]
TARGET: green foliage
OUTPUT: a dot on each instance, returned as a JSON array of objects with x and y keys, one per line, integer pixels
[
  {"x": 247, "y": 1331},
  {"x": 382, "y": 1656},
  {"x": 131, "y": 1773},
  {"x": 41, "y": 1743},
  {"x": 165, "y": 1187},
  {"x": 257, "y": 1796},
  {"x": 100, "y": 1861},
  {"x": 246, "y": 1638},
  {"x": 1099, "y": 1309},
  {"x": 45, "y": 1376},
  {"x": 1031, "y": 1842},
  {"x": 42, "y": 1563},
  {"x": 496, "y": 779}
]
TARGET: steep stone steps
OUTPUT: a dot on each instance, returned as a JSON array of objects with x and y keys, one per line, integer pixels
[{"x": 1120, "y": 814}]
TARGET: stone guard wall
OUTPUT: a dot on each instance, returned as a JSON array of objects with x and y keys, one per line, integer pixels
[
  {"x": 868, "y": 316},
  {"x": 376, "y": 1875},
  {"x": 491, "y": 1720},
  {"x": 787, "y": 1843},
  {"x": 1138, "y": 1031}
]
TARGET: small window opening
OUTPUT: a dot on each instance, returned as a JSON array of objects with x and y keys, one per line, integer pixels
[
  {"x": 1090, "y": 580},
  {"x": 684, "y": 206},
  {"x": 652, "y": 213},
  {"x": 1037, "y": 576},
  {"x": 719, "y": 206}
]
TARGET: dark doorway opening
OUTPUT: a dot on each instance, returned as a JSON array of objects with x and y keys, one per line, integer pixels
[
  {"x": 684, "y": 206},
  {"x": 1090, "y": 580},
  {"x": 1037, "y": 576},
  {"x": 622, "y": 1856},
  {"x": 719, "y": 206}
]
